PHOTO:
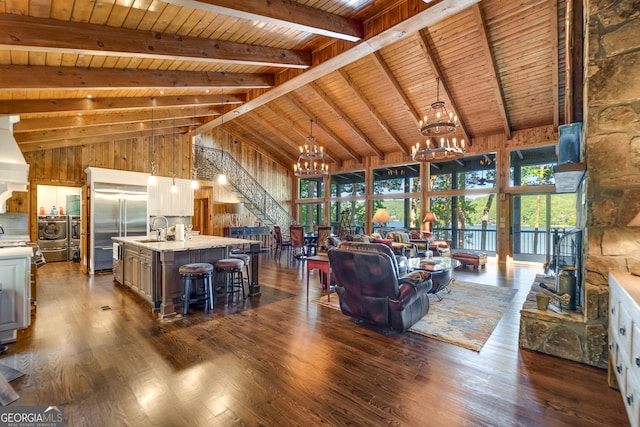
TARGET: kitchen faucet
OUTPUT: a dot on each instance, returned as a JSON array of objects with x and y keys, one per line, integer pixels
[
  {"x": 1, "y": 229},
  {"x": 166, "y": 222}
]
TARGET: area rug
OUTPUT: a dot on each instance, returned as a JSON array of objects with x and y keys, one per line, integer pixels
[{"x": 466, "y": 316}]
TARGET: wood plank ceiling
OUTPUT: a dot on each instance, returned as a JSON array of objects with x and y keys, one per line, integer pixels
[{"x": 85, "y": 71}]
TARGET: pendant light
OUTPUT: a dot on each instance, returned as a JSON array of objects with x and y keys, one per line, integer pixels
[
  {"x": 152, "y": 178},
  {"x": 222, "y": 178},
  {"x": 194, "y": 170},
  {"x": 174, "y": 187}
]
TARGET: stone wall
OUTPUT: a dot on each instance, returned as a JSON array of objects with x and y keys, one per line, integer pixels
[
  {"x": 612, "y": 155},
  {"x": 612, "y": 129}
]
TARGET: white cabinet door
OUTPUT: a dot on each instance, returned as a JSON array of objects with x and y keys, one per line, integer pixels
[
  {"x": 183, "y": 198},
  {"x": 163, "y": 201},
  {"x": 146, "y": 274},
  {"x": 160, "y": 198},
  {"x": 15, "y": 283}
]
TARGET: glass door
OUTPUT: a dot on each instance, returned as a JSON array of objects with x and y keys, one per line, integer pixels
[{"x": 538, "y": 219}]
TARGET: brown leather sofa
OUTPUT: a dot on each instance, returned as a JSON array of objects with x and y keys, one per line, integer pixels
[{"x": 372, "y": 289}]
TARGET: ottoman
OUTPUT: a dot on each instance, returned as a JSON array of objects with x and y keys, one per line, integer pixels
[{"x": 470, "y": 257}]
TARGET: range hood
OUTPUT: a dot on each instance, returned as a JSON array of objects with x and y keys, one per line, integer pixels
[{"x": 14, "y": 171}]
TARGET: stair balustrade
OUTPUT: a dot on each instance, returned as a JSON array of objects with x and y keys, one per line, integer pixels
[{"x": 212, "y": 162}]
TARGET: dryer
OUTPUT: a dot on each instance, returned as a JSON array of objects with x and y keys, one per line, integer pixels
[{"x": 53, "y": 237}]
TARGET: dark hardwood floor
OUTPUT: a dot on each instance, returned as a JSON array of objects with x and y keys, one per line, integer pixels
[{"x": 277, "y": 360}]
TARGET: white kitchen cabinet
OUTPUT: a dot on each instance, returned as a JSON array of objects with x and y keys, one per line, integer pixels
[
  {"x": 15, "y": 282},
  {"x": 138, "y": 270},
  {"x": 624, "y": 340},
  {"x": 145, "y": 284},
  {"x": 162, "y": 201}
]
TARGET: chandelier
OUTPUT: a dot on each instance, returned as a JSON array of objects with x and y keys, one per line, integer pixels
[
  {"x": 443, "y": 151},
  {"x": 438, "y": 123},
  {"x": 311, "y": 159}
]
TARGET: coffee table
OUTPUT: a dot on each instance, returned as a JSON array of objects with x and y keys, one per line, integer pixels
[{"x": 440, "y": 269}]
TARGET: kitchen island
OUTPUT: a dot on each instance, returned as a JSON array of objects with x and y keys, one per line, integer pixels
[{"x": 150, "y": 267}]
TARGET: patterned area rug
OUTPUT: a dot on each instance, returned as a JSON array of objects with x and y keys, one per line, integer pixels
[{"x": 465, "y": 317}]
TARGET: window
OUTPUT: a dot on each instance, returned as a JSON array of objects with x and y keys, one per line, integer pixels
[
  {"x": 404, "y": 212},
  {"x": 311, "y": 188},
  {"x": 533, "y": 166},
  {"x": 465, "y": 173},
  {"x": 311, "y": 214},
  {"x": 396, "y": 179},
  {"x": 356, "y": 214},
  {"x": 348, "y": 184},
  {"x": 469, "y": 222}
]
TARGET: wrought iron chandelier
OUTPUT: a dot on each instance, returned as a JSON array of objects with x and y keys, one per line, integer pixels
[
  {"x": 443, "y": 151},
  {"x": 438, "y": 121},
  {"x": 438, "y": 124},
  {"x": 311, "y": 159}
]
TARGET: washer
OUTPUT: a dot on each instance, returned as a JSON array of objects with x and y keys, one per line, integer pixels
[{"x": 53, "y": 237}]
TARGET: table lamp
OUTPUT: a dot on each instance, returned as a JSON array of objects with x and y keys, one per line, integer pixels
[
  {"x": 430, "y": 217},
  {"x": 381, "y": 216}
]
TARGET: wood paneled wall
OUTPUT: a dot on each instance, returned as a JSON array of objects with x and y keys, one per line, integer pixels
[
  {"x": 66, "y": 166},
  {"x": 274, "y": 177}
]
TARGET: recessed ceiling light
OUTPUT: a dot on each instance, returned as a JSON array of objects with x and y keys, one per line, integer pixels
[
  {"x": 89, "y": 96},
  {"x": 79, "y": 114},
  {"x": 161, "y": 92}
]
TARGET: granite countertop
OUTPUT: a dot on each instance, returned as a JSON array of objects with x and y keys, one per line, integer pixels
[{"x": 194, "y": 243}]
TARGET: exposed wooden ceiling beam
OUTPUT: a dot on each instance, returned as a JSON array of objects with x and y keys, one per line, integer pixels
[
  {"x": 47, "y": 35},
  {"x": 247, "y": 135},
  {"x": 97, "y": 131},
  {"x": 555, "y": 85},
  {"x": 326, "y": 129},
  {"x": 345, "y": 117},
  {"x": 298, "y": 129},
  {"x": 50, "y": 123},
  {"x": 297, "y": 103},
  {"x": 26, "y": 77},
  {"x": 386, "y": 73},
  {"x": 494, "y": 79},
  {"x": 282, "y": 13},
  {"x": 370, "y": 107},
  {"x": 63, "y": 143},
  {"x": 422, "y": 19},
  {"x": 276, "y": 131},
  {"x": 110, "y": 104},
  {"x": 424, "y": 44}
]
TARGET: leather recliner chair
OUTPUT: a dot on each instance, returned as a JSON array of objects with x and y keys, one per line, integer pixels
[{"x": 371, "y": 288}]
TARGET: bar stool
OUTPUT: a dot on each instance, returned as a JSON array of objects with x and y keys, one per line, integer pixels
[
  {"x": 192, "y": 274},
  {"x": 232, "y": 268},
  {"x": 247, "y": 260}
]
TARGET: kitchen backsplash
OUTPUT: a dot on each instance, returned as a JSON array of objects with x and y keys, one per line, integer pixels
[{"x": 13, "y": 225}]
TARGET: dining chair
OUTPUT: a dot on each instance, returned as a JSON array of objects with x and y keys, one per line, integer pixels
[
  {"x": 296, "y": 233},
  {"x": 280, "y": 243}
]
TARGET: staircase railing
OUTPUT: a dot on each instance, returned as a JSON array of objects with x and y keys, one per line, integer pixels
[{"x": 211, "y": 162}]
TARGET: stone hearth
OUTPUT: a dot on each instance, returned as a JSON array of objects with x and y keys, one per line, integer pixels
[{"x": 564, "y": 333}]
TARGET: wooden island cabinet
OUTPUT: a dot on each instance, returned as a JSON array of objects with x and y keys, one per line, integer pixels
[{"x": 151, "y": 267}]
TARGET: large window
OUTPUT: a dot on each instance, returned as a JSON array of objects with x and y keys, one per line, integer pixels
[
  {"x": 401, "y": 187},
  {"x": 311, "y": 214},
  {"x": 533, "y": 166},
  {"x": 396, "y": 179},
  {"x": 348, "y": 184},
  {"x": 469, "y": 222},
  {"x": 311, "y": 188},
  {"x": 349, "y": 213},
  {"x": 464, "y": 174}
]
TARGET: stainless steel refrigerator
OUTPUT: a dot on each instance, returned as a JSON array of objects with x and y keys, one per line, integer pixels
[{"x": 116, "y": 211}]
